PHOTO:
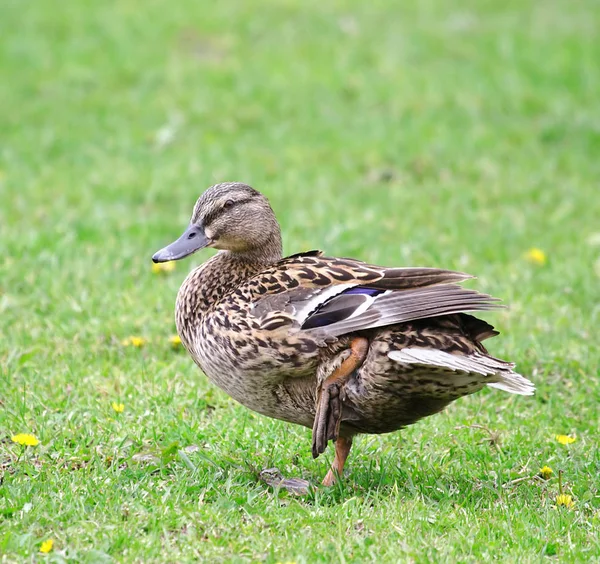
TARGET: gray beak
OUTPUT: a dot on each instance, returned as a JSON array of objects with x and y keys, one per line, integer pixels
[{"x": 192, "y": 240}]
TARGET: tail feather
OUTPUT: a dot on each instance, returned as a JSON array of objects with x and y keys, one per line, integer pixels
[
  {"x": 514, "y": 383},
  {"x": 476, "y": 363}
]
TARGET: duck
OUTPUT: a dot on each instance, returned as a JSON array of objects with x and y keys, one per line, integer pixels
[{"x": 336, "y": 345}]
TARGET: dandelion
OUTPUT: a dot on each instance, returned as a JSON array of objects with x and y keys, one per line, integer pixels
[
  {"x": 564, "y": 499},
  {"x": 175, "y": 341},
  {"x": 118, "y": 407},
  {"x": 546, "y": 472},
  {"x": 536, "y": 256},
  {"x": 46, "y": 546},
  {"x": 565, "y": 439},
  {"x": 137, "y": 342},
  {"x": 25, "y": 439},
  {"x": 163, "y": 267}
]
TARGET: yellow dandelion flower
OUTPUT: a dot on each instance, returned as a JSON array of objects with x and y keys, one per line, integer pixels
[
  {"x": 536, "y": 256},
  {"x": 25, "y": 439},
  {"x": 565, "y": 439},
  {"x": 163, "y": 267},
  {"x": 118, "y": 407},
  {"x": 546, "y": 472},
  {"x": 175, "y": 341},
  {"x": 137, "y": 342},
  {"x": 46, "y": 546},
  {"x": 564, "y": 499}
]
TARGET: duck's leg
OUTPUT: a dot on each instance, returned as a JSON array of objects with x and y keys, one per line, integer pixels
[
  {"x": 342, "y": 449},
  {"x": 328, "y": 413}
]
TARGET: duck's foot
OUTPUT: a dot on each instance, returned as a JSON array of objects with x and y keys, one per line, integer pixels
[
  {"x": 273, "y": 478},
  {"x": 342, "y": 449},
  {"x": 328, "y": 415}
]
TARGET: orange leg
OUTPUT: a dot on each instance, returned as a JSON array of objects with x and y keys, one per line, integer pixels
[
  {"x": 328, "y": 414},
  {"x": 342, "y": 449}
]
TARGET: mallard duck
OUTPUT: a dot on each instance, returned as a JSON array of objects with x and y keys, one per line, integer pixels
[{"x": 335, "y": 344}]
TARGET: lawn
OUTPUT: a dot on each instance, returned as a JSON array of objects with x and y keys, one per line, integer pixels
[{"x": 454, "y": 134}]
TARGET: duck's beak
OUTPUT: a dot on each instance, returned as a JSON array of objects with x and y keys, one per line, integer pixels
[{"x": 192, "y": 240}]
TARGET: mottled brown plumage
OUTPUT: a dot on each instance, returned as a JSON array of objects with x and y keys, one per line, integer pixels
[{"x": 333, "y": 344}]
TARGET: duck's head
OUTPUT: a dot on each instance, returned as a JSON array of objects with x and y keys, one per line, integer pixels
[{"x": 233, "y": 217}]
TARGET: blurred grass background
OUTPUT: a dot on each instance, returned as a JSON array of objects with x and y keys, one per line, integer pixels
[{"x": 451, "y": 134}]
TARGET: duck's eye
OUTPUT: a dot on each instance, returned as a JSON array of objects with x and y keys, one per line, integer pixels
[{"x": 228, "y": 204}]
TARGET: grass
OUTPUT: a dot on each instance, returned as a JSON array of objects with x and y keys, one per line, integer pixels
[{"x": 452, "y": 134}]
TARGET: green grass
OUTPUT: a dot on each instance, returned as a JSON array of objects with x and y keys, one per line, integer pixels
[{"x": 452, "y": 134}]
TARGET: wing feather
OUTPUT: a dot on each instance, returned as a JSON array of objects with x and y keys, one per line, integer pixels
[
  {"x": 330, "y": 297},
  {"x": 402, "y": 306}
]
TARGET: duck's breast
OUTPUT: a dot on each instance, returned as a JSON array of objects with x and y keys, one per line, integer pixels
[{"x": 271, "y": 374}]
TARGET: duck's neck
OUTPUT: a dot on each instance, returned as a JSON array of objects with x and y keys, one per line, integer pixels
[
  {"x": 264, "y": 255},
  {"x": 210, "y": 282}
]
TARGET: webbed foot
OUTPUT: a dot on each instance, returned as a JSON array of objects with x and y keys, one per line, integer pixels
[{"x": 328, "y": 417}]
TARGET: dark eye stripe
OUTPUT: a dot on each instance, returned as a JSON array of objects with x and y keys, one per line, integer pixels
[
  {"x": 235, "y": 203},
  {"x": 209, "y": 218}
]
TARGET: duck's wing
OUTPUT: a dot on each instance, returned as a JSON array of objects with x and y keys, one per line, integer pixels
[{"x": 330, "y": 297}]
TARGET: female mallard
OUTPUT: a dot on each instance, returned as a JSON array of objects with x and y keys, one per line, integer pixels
[{"x": 334, "y": 344}]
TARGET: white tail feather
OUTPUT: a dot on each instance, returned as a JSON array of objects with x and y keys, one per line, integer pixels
[
  {"x": 476, "y": 363},
  {"x": 514, "y": 383}
]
